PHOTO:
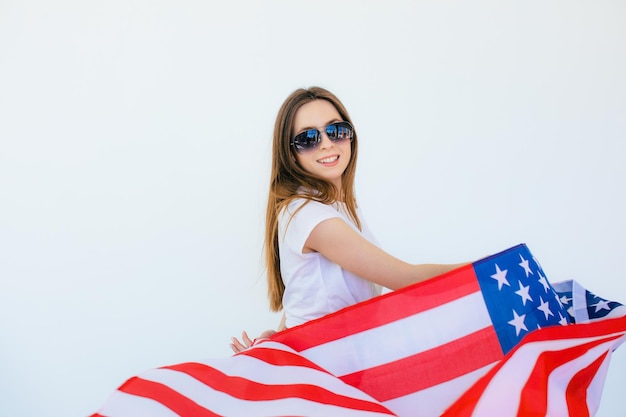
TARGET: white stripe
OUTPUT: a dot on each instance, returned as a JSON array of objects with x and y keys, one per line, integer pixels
[
  {"x": 594, "y": 392},
  {"x": 257, "y": 370},
  {"x": 501, "y": 396},
  {"x": 435, "y": 400},
  {"x": 120, "y": 404},
  {"x": 579, "y": 303},
  {"x": 561, "y": 376},
  {"x": 224, "y": 404},
  {"x": 402, "y": 338}
]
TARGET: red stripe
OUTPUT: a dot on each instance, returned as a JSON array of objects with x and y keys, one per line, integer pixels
[
  {"x": 163, "y": 394},
  {"x": 534, "y": 395},
  {"x": 279, "y": 357},
  {"x": 576, "y": 393},
  {"x": 579, "y": 330},
  {"x": 381, "y": 310},
  {"x": 429, "y": 368},
  {"x": 465, "y": 405},
  {"x": 246, "y": 389}
]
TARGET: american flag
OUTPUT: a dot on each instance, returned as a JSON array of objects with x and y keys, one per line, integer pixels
[{"x": 493, "y": 335}]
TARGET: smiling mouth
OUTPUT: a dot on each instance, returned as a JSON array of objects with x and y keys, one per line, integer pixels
[{"x": 328, "y": 160}]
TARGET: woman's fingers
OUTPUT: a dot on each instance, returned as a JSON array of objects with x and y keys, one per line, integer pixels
[
  {"x": 246, "y": 339},
  {"x": 238, "y": 346}
]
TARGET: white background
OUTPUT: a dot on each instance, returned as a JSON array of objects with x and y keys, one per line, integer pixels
[{"x": 135, "y": 146}]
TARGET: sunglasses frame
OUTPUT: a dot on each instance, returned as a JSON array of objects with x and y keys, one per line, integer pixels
[{"x": 318, "y": 137}]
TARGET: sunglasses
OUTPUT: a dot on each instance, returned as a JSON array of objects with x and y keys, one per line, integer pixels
[{"x": 311, "y": 138}]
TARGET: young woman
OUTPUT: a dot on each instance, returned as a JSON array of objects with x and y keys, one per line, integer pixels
[{"x": 320, "y": 256}]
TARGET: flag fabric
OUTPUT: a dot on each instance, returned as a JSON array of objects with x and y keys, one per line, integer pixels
[
  {"x": 268, "y": 380},
  {"x": 552, "y": 372},
  {"x": 583, "y": 306},
  {"x": 493, "y": 335}
]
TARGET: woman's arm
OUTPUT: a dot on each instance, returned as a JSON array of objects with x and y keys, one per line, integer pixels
[{"x": 340, "y": 243}]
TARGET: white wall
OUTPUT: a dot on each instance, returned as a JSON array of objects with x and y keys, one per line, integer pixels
[{"x": 134, "y": 156}]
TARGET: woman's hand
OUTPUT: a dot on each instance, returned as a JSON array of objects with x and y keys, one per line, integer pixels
[{"x": 239, "y": 346}]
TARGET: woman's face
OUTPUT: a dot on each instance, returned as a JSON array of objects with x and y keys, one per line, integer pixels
[{"x": 330, "y": 159}]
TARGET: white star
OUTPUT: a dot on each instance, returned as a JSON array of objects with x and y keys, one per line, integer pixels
[
  {"x": 500, "y": 276},
  {"x": 558, "y": 300},
  {"x": 570, "y": 311},
  {"x": 518, "y": 322},
  {"x": 562, "y": 320},
  {"x": 602, "y": 305},
  {"x": 544, "y": 282},
  {"x": 545, "y": 307},
  {"x": 523, "y": 292},
  {"x": 565, "y": 300},
  {"x": 524, "y": 264}
]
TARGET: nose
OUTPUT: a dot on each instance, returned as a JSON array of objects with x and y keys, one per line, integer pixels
[{"x": 325, "y": 141}]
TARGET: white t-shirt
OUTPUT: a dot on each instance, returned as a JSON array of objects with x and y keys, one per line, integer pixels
[{"x": 314, "y": 285}]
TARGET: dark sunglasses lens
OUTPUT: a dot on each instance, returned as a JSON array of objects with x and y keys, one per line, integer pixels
[
  {"x": 306, "y": 140},
  {"x": 339, "y": 131}
]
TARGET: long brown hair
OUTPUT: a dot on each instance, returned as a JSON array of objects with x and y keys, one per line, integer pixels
[{"x": 289, "y": 181}]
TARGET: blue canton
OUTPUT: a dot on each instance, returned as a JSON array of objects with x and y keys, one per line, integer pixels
[
  {"x": 597, "y": 307},
  {"x": 518, "y": 296},
  {"x": 567, "y": 301}
]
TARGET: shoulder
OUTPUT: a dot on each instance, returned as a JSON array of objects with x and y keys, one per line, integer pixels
[
  {"x": 308, "y": 206},
  {"x": 301, "y": 215}
]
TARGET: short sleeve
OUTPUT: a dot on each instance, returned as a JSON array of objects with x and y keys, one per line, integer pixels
[{"x": 299, "y": 226}]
